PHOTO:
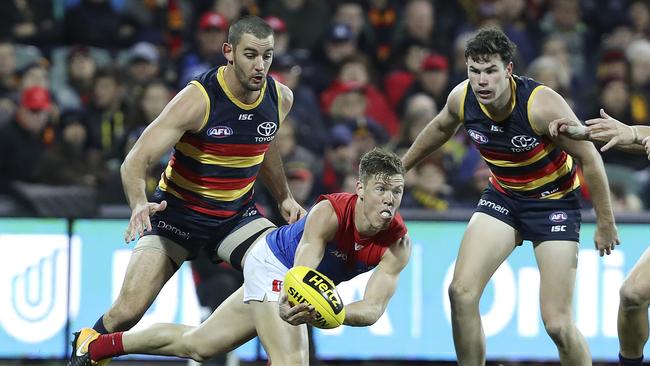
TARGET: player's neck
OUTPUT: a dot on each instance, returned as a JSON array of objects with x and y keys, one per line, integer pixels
[
  {"x": 502, "y": 106},
  {"x": 237, "y": 89},
  {"x": 361, "y": 222}
]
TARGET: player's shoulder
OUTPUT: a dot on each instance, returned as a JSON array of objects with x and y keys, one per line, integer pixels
[
  {"x": 285, "y": 91},
  {"x": 457, "y": 95}
]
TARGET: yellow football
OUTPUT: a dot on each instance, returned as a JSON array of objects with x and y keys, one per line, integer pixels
[{"x": 306, "y": 285}]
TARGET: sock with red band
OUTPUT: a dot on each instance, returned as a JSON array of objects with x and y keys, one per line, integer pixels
[{"x": 106, "y": 346}]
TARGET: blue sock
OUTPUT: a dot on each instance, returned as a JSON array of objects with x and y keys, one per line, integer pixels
[
  {"x": 624, "y": 361},
  {"x": 99, "y": 326}
]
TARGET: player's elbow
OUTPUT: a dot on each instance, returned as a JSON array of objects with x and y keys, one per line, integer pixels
[{"x": 375, "y": 312}]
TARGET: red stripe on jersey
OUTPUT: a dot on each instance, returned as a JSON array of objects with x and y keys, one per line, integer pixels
[
  {"x": 225, "y": 149},
  {"x": 508, "y": 156},
  {"x": 210, "y": 182}
]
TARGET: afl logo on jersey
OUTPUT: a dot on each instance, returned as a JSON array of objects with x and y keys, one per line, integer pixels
[
  {"x": 267, "y": 129},
  {"x": 220, "y": 131},
  {"x": 558, "y": 216},
  {"x": 477, "y": 136}
]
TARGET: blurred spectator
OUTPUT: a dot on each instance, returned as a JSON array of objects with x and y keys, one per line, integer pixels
[
  {"x": 8, "y": 81},
  {"x": 419, "y": 110},
  {"x": 301, "y": 183},
  {"x": 30, "y": 22},
  {"x": 418, "y": 25},
  {"x": 355, "y": 69},
  {"x": 338, "y": 46},
  {"x": 309, "y": 127},
  {"x": 624, "y": 201},
  {"x": 638, "y": 56},
  {"x": 352, "y": 13},
  {"x": 551, "y": 73},
  {"x": 432, "y": 80},
  {"x": 639, "y": 15},
  {"x": 95, "y": 23},
  {"x": 159, "y": 22},
  {"x": 80, "y": 69},
  {"x": 25, "y": 139},
  {"x": 206, "y": 52},
  {"x": 281, "y": 37},
  {"x": 428, "y": 188},
  {"x": 106, "y": 118},
  {"x": 292, "y": 152},
  {"x": 340, "y": 160},
  {"x": 408, "y": 67},
  {"x": 306, "y": 20},
  {"x": 382, "y": 19}
]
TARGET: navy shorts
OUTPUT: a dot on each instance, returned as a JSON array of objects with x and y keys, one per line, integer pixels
[
  {"x": 535, "y": 219},
  {"x": 195, "y": 231}
]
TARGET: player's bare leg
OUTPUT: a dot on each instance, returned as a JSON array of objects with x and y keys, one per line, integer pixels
[
  {"x": 486, "y": 244},
  {"x": 557, "y": 262},
  {"x": 146, "y": 274},
  {"x": 285, "y": 344},
  {"x": 227, "y": 328},
  {"x": 633, "y": 309}
]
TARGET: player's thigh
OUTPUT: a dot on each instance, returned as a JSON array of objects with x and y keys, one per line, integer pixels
[
  {"x": 637, "y": 281},
  {"x": 487, "y": 242},
  {"x": 557, "y": 261},
  {"x": 283, "y": 342},
  {"x": 229, "y": 326},
  {"x": 236, "y": 244},
  {"x": 152, "y": 263}
]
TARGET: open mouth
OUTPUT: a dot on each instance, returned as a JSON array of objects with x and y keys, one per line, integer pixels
[
  {"x": 258, "y": 78},
  {"x": 385, "y": 214},
  {"x": 484, "y": 93}
]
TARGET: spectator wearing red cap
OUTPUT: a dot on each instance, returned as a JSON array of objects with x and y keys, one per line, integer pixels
[
  {"x": 211, "y": 34},
  {"x": 432, "y": 80},
  {"x": 26, "y": 138},
  {"x": 282, "y": 37}
]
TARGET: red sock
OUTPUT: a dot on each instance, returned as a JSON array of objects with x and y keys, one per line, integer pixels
[{"x": 106, "y": 346}]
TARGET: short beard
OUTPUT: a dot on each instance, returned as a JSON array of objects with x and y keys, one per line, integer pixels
[{"x": 243, "y": 79}]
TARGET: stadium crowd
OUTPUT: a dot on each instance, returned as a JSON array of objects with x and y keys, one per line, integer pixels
[{"x": 81, "y": 79}]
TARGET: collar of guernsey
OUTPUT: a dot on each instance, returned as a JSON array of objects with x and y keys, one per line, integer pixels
[
  {"x": 212, "y": 171},
  {"x": 522, "y": 161}
]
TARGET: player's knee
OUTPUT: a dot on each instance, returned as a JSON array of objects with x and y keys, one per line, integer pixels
[
  {"x": 558, "y": 328},
  {"x": 123, "y": 317},
  {"x": 195, "y": 350},
  {"x": 632, "y": 296},
  {"x": 461, "y": 295}
]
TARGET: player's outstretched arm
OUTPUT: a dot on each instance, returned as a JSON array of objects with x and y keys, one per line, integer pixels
[
  {"x": 187, "y": 111},
  {"x": 381, "y": 286},
  {"x": 441, "y": 128},
  {"x": 616, "y": 134},
  {"x": 549, "y": 106}
]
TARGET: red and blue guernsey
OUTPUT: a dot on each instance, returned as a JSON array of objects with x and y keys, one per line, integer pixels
[
  {"x": 349, "y": 254},
  {"x": 212, "y": 171},
  {"x": 523, "y": 162}
]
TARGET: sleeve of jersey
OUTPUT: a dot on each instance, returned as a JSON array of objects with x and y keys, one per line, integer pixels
[{"x": 336, "y": 201}]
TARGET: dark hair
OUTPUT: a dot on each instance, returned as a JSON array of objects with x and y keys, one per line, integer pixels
[
  {"x": 488, "y": 42},
  {"x": 251, "y": 25},
  {"x": 381, "y": 163}
]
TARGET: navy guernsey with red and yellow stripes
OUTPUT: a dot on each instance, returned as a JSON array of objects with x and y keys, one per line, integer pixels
[
  {"x": 523, "y": 163},
  {"x": 212, "y": 171}
]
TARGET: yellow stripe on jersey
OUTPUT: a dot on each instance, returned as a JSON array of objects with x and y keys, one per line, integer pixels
[
  {"x": 510, "y": 164},
  {"x": 462, "y": 103},
  {"x": 232, "y": 97},
  {"x": 215, "y": 194},
  {"x": 530, "y": 103},
  {"x": 279, "y": 92},
  {"x": 561, "y": 171},
  {"x": 223, "y": 161},
  {"x": 207, "y": 102},
  {"x": 163, "y": 186},
  {"x": 560, "y": 194}
]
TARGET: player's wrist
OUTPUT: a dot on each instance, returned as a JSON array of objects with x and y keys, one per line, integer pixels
[{"x": 635, "y": 135}]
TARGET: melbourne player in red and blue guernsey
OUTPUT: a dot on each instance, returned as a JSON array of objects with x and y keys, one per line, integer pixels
[
  {"x": 342, "y": 236},
  {"x": 221, "y": 127}
]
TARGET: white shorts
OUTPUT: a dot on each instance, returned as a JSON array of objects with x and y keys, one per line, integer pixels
[{"x": 263, "y": 273}]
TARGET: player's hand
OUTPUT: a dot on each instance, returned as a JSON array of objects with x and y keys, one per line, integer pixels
[
  {"x": 569, "y": 128},
  {"x": 140, "y": 222},
  {"x": 291, "y": 210},
  {"x": 646, "y": 145},
  {"x": 610, "y": 131},
  {"x": 296, "y": 315},
  {"x": 606, "y": 238}
]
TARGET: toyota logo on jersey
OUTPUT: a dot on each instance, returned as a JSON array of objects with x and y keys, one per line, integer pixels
[{"x": 267, "y": 129}]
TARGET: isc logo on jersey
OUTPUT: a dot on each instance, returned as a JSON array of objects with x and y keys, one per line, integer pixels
[
  {"x": 305, "y": 285},
  {"x": 220, "y": 131}
]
